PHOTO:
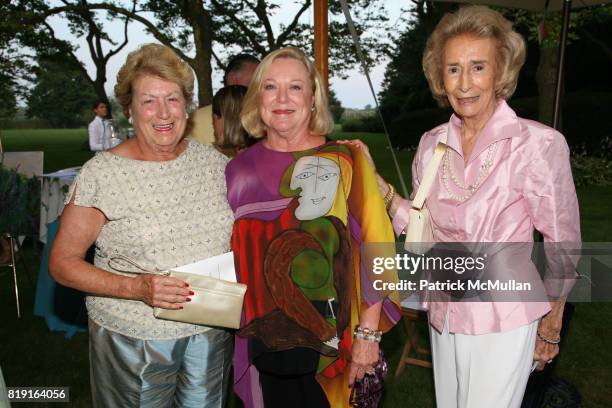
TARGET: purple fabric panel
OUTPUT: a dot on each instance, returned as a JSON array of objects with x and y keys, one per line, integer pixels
[
  {"x": 254, "y": 175},
  {"x": 368, "y": 293},
  {"x": 246, "y": 377},
  {"x": 392, "y": 311}
]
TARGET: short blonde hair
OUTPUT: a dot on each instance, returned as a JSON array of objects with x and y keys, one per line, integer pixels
[
  {"x": 321, "y": 122},
  {"x": 482, "y": 22},
  {"x": 157, "y": 60}
]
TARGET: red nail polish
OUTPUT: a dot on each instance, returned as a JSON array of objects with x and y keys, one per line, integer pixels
[
  {"x": 187, "y": 300},
  {"x": 180, "y": 307},
  {"x": 191, "y": 292}
]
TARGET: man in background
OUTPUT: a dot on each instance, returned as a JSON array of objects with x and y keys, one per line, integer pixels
[
  {"x": 98, "y": 131},
  {"x": 239, "y": 71}
]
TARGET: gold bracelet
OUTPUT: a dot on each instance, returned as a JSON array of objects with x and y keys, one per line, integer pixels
[{"x": 388, "y": 198}]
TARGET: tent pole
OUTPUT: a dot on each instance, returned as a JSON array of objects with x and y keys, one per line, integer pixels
[
  {"x": 321, "y": 43},
  {"x": 567, "y": 5}
]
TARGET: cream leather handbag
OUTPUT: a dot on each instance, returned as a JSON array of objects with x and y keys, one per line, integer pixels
[
  {"x": 215, "y": 302},
  {"x": 419, "y": 234}
]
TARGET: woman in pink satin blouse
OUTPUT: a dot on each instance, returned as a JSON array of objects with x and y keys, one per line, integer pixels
[{"x": 500, "y": 177}]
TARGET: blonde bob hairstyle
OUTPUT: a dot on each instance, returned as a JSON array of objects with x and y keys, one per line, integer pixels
[
  {"x": 481, "y": 22},
  {"x": 321, "y": 122},
  {"x": 156, "y": 60}
]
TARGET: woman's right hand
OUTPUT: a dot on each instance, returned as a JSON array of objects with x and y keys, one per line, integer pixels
[
  {"x": 161, "y": 291},
  {"x": 363, "y": 147},
  {"x": 383, "y": 186}
]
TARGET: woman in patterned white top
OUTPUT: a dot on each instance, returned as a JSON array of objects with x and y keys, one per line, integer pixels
[{"x": 159, "y": 200}]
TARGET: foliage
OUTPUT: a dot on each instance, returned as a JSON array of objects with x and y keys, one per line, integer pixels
[
  {"x": 588, "y": 58},
  {"x": 192, "y": 27},
  {"x": 19, "y": 203},
  {"x": 583, "y": 127},
  {"x": 14, "y": 66},
  {"x": 590, "y": 170},
  {"x": 405, "y": 87},
  {"x": 62, "y": 95},
  {"x": 369, "y": 124},
  {"x": 335, "y": 107},
  {"x": 553, "y": 22},
  {"x": 594, "y": 169}
]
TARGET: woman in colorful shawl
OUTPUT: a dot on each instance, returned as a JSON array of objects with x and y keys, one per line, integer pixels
[{"x": 303, "y": 207}]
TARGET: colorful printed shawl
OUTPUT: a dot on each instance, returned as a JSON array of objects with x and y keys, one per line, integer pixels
[{"x": 300, "y": 221}]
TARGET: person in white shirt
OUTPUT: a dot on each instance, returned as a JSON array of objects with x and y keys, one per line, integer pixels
[{"x": 99, "y": 134}]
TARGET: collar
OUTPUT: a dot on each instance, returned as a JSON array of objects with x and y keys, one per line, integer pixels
[{"x": 503, "y": 124}]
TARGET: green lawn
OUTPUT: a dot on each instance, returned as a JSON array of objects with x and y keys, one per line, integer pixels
[
  {"x": 31, "y": 355},
  {"x": 62, "y": 147}
]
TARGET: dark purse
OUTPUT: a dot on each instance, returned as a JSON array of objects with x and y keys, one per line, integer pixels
[{"x": 368, "y": 392}]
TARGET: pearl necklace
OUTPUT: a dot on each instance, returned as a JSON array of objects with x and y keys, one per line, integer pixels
[{"x": 485, "y": 168}]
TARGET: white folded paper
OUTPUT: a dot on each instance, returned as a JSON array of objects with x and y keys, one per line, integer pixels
[{"x": 220, "y": 267}]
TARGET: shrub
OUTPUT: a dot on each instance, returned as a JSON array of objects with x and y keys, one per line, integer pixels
[
  {"x": 19, "y": 203},
  {"x": 584, "y": 121},
  {"x": 367, "y": 124}
]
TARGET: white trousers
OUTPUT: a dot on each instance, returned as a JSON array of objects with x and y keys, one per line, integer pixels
[{"x": 482, "y": 371}]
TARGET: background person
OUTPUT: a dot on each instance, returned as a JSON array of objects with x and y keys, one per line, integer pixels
[
  {"x": 239, "y": 71},
  {"x": 294, "y": 196},
  {"x": 500, "y": 177},
  {"x": 159, "y": 200},
  {"x": 230, "y": 136},
  {"x": 98, "y": 131}
]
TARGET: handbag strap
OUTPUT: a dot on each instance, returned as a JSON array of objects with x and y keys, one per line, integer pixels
[
  {"x": 430, "y": 173},
  {"x": 116, "y": 258}
]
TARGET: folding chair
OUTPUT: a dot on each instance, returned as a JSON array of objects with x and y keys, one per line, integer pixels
[
  {"x": 412, "y": 313},
  {"x": 10, "y": 263}
]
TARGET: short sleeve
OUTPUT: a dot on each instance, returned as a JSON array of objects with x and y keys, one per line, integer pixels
[{"x": 86, "y": 186}]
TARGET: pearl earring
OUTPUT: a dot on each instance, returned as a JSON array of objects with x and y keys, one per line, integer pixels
[{"x": 130, "y": 120}]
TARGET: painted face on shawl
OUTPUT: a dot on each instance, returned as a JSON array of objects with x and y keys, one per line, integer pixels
[{"x": 318, "y": 179}]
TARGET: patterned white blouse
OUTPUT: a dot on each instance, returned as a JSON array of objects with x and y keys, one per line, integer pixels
[{"x": 159, "y": 214}]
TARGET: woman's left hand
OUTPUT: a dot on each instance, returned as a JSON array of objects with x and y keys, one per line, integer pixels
[
  {"x": 545, "y": 352},
  {"x": 363, "y": 358}
]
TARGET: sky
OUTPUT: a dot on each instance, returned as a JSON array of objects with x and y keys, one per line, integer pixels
[{"x": 352, "y": 92}]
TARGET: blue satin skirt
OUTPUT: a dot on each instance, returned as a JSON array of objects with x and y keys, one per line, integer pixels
[{"x": 188, "y": 372}]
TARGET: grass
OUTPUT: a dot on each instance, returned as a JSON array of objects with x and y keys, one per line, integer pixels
[
  {"x": 30, "y": 355},
  {"x": 62, "y": 147}
]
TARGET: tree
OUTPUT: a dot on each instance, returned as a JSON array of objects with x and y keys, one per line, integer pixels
[
  {"x": 82, "y": 22},
  {"x": 15, "y": 65},
  {"x": 546, "y": 74},
  {"x": 62, "y": 94},
  {"x": 335, "y": 106},
  {"x": 405, "y": 88},
  {"x": 192, "y": 27}
]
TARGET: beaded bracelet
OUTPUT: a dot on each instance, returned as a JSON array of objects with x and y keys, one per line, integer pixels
[
  {"x": 388, "y": 198},
  {"x": 545, "y": 340},
  {"x": 366, "y": 334}
]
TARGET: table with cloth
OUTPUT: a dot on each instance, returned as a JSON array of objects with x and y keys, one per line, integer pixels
[
  {"x": 62, "y": 308},
  {"x": 54, "y": 189}
]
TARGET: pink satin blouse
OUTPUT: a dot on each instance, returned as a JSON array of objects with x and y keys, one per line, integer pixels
[{"x": 529, "y": 185}]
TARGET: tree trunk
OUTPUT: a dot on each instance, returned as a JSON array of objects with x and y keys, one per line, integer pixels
[
  {"x": 201, "y": 22},
  {"x": 98, "y": 85},
  {"x": 546, "y": 77}
]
